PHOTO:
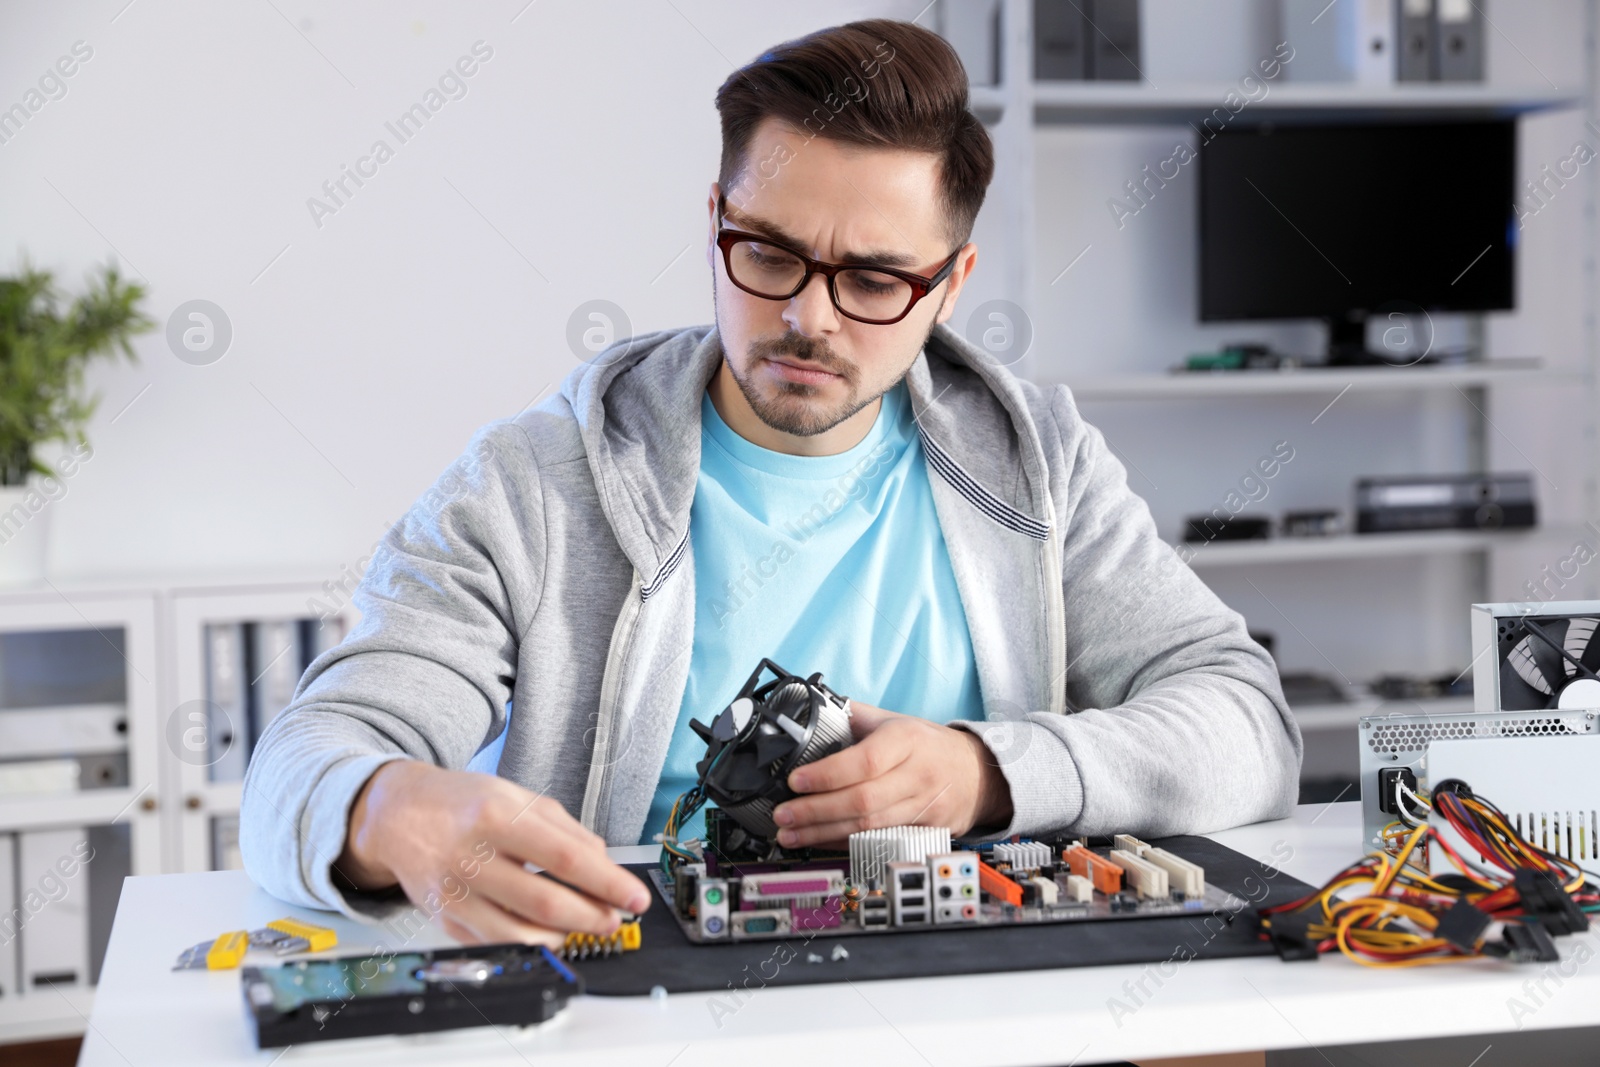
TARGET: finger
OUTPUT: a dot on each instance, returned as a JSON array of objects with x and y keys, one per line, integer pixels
[
  {"x": 543, "y": 901},
  {"x": 477, "y": 920},
  {"x": 864, "y": 718},
  {"x": 903, "y": 813},
  {"x": 852, "y": 802},
  {"x": 870, "y": 758},
  {"x": 582, "y": 865},
  {"x": 537, "y": 806}
]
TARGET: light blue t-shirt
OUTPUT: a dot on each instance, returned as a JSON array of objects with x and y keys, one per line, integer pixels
[{"x": 820, "y": 563}]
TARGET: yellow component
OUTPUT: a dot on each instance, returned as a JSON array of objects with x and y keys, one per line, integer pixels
[
  {"x": 582, "y": 946},
  {"x": 319, "y": 938},
  {"x": 227, "y": 950}
]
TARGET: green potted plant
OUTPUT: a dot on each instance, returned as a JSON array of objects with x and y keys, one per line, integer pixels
[{"x": 46, "y": 342}]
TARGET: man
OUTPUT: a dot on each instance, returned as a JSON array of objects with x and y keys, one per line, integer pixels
[{"x": 830, "y": 478}]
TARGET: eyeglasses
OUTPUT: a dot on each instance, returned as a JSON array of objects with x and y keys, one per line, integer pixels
[{"x": 874, "y": 295}]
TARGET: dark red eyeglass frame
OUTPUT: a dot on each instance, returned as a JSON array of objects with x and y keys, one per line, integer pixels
[{"x": 920, "y": 286}]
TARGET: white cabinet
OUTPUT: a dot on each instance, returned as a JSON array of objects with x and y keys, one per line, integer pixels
[{"x": 108, "y": 757}]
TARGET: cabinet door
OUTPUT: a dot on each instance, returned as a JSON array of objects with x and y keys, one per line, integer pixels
[
  {"x": 80, "y": 794},
  {"x": 237, "y": 657},
  {"x": 80, "y": 719}
]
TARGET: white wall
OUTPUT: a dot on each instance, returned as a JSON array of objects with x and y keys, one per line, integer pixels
[{"x": 436, "y": 300}]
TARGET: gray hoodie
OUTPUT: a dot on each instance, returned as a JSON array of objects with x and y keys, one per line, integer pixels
[{"x": 543, "y": 589}]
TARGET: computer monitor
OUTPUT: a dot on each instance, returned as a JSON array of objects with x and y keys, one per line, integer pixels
[{"x": 1340, "y": 222}]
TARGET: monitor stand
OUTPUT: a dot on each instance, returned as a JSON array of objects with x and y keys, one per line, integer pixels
[
  {"x": 1347, "y": 345},
  {"x": 1347, "y": 342}
]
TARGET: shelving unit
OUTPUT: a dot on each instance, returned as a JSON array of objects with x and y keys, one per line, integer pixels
[
  {"x": 1019, "y": 109},
  {"x": 1358, "y": 546},
  {"x": 1129, "y": 103},
  {"x": 168, "y": 803},
  {"x": 1321, "y": 380}
]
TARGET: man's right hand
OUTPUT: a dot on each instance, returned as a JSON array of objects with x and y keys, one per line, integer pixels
[{"x": 456, "y": 842}]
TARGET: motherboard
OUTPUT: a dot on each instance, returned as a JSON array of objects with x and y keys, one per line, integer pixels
[{"x": 901, "y": 879}]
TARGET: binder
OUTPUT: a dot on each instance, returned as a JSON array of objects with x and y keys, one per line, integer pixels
[
  {"x": 10, "y": 919},
  {"x": 1416, "y": 58},
  {"x": 39, "y": 777},
  {"x": 319, "y": 635},
  {"x": 227, "y": 696},
  {"x": 1112, "y": 37},
  {"x": 276, "y": 663},
  {"x": 112, "y": 864},
  {"x": 1374, "y": 41},
  {"x": 53, "y": 884},
  {"x": 1058, "y": 40},
  {"x": 67, "y": 730},
  {"x": 1460, "y": 41},
  {"x": 225, "y": 843},
  {"x": 1348, "y": 41},
  {"x": 973, "y": 29}
]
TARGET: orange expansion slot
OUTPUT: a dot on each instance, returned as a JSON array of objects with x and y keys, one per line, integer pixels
[
  {"x": 1105, "y": 875},
  {"x": 998, "y": 885}
]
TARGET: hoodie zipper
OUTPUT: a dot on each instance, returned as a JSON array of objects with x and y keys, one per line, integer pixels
[
  {"x": 610, "y": 685},
  {"x": 1055, "y": 611}
]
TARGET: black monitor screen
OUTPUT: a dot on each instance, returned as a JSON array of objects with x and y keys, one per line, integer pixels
[{"x": 1323, "y": 221}]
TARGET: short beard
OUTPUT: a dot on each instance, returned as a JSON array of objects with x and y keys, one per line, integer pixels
[
  {"x": 794, "y": 418},
  {"x": 786, "y": 411}
]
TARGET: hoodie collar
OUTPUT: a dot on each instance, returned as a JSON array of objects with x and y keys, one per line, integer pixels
[{"x": 637, "y": 405}]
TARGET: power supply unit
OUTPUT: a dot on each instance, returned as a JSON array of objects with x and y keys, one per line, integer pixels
[
  {"x": 1397, "y": 748},
  {"x": 1545, "y": 785},
  {"x": 1527, "y": 742}
]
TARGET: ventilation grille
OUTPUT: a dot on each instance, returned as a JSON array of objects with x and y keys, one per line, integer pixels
[
  {"x": 1573, "y": 834},
  {"x": 1396, "y": 737}
]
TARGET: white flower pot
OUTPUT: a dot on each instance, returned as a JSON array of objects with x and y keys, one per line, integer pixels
[{"x": 24, "y": 522}]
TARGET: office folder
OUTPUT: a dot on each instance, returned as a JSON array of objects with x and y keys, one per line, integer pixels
[
  {"x": 227, "y": 696},
  {"x": 53, "y": 886},
  {"x": 275, "y": 665},
  {"x": 225, "y": 843},
  {"x": 10, "y": 918},
  {"x": 1416, "y": 56},
  {"x": 1460, "y": 41},
  {"x": 1058, "y": 40},
  {"x": 1112, "y": 38},
  {"x": 1347, "y": 41}
]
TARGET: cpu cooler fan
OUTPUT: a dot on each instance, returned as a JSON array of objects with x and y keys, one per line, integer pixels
[
  {"x": 1548, "y": 662},
  {"x": 766, "y": 732}
]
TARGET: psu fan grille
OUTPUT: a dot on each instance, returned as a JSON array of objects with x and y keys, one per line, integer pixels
[{"x": 1413, "y": 736}]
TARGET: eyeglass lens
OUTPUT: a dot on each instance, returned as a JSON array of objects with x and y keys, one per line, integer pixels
[{"x": 773, "y": 272}]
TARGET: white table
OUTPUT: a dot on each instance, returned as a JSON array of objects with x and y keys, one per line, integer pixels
[{"x": 146, "y": 1014}]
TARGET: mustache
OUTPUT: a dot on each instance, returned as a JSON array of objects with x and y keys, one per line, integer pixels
[{"x": 803, "y": 350}]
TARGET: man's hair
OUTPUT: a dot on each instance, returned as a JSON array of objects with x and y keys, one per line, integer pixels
[{"x": 878, "y": 83}]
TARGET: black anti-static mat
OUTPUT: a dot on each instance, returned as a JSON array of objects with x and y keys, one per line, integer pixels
[{"x": 669, "y": 959}]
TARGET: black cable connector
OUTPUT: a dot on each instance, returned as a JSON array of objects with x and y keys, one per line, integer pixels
[
  {"x": 1524, "y": 943},
  {"x": 1544, "y": 899},
  {"x": 1289, "y": 936},
  {"x": 1463, "y": 925}
]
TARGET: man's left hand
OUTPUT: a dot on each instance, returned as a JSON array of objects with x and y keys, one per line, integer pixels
[{"x": 902, "y": 771}]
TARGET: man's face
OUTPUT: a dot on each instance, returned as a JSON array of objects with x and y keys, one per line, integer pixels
[{"x": 802, "y": 366}]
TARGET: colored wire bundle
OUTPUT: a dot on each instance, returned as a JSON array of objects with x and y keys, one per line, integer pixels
[
  {"x": 683, "y": 809},
  {"x": 1385, "y": 911}
]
